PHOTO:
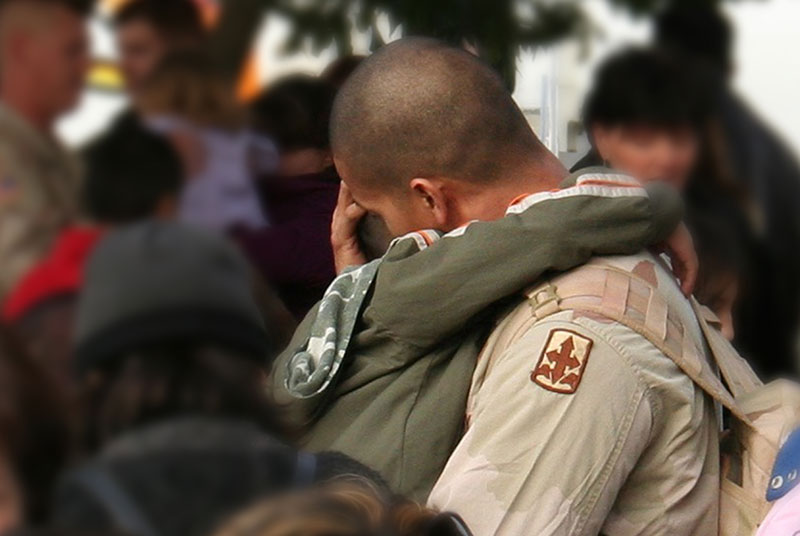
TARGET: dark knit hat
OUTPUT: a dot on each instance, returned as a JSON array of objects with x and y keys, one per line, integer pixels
[{"x": 157, "y": 282}]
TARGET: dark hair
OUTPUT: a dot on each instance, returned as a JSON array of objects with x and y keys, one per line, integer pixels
[
  {"x": 643, "y": 86},
  {"x": 722, "y": 236},
  {"x": 81, "y": 7},
  {"x": 35, "y": 426},
  {"x": 295, "y": 112},
  {"x": 170, "y": 380},
  {"x": 175, "y": 20},
  {"x": 338, "y": 71},
  {"x": 129, "y": 170},
  {"x": 696, "y": 31},
  {"x": 344, "y": 506}
]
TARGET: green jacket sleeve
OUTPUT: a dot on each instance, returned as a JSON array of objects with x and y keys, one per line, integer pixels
[{"x": 425, "y": 297}]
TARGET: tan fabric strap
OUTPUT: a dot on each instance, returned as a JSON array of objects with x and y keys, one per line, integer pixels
[
  {"x": 739, "y": 376},
  {"x": 635, "y": 303}
]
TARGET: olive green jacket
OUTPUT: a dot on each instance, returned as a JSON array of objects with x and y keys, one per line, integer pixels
[{"x": 381, "y": 368}]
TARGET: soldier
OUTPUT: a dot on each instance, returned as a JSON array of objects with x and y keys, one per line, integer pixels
[
  {"x": 43, "y": 63},
  {"x": 575, "y": 423}
]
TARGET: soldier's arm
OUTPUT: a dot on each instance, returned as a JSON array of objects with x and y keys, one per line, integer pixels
[
  {"x": 21, "y": 238},
  {"x": 459, "y": 276},
  {"x": 550, "y": 440}
]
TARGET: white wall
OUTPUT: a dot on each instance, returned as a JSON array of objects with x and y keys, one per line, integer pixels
[{"x": 768, "y": 62}]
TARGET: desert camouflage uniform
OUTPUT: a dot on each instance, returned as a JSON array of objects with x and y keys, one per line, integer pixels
[
  {"x": 38, "y": 195},
  {"x": 616, "y": 441}
]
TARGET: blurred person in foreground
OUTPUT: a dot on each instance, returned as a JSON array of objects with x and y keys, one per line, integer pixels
[
  {"x": 762, "y": 166},
  {"x": 44, "y": 58},
  {"x": 131, "y": 174},
  {"x": 294, "y": 253},
  {"x": 188, "y": 102},
  {"x": 645, "y": 115},
  {"x": 341, "y": 507},
  {"x": 35, "y": 435},
  {"x": 565, "y": 420},
  {"x": 171, "y": 353}
]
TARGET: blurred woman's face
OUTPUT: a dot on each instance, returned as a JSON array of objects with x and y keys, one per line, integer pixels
[
  {"x": 649, "y": 153},
  {"x": 10, "y": 497}
]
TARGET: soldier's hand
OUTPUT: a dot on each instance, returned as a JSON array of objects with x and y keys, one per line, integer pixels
[
  {"x": 344, "y": 231},
  {"x": 680, "y": 248}
]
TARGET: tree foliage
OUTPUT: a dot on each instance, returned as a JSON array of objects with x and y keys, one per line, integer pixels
[{"x": 498, "y": 29}]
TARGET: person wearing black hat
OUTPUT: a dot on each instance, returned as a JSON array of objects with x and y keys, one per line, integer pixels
[{"x": 171, "y": 354}]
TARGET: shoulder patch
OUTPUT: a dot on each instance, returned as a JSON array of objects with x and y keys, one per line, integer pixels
[
  {"x": 785, "y": 471},
  {"x": 562, "y": 362}
]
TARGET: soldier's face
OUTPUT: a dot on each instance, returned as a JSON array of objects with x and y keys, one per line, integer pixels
[
  {"x": 57, "y": 56},
  {"x": 141, "y": 48},
  {"x": 401, "y": 211}
]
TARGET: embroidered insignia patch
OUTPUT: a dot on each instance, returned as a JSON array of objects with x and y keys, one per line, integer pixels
[{"x": 563, "y": 361}]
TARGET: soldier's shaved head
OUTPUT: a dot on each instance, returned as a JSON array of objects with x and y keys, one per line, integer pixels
[{"x": 420, "y": 108}]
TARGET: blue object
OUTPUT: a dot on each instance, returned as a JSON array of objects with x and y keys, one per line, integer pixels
[{"x": 787, "y": 466}]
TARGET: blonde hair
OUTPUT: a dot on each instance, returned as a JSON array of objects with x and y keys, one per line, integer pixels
[
  {"x": 346, "y": 506},
  {"x": 188, "y": 86}
]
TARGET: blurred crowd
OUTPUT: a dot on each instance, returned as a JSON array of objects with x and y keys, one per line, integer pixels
[{"x": 149, "y": 281}]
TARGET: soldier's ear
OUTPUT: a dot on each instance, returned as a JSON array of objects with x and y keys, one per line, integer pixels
[{"x": 429, "y": 197}]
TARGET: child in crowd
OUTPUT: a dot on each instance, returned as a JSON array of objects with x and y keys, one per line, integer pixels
[
  {"x": 132, "y": 174},
  {"x": 187, "y": 101}
]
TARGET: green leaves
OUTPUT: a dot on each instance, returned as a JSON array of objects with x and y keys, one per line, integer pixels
[{"x": 497, "y": 29}]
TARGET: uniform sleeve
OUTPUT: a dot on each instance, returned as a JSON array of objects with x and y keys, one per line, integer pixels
[
  {"x": 557, "y": 425},
  {"x": 458, "y": 277}
]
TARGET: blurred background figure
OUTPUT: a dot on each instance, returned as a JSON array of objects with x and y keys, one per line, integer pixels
[
  {"x": 763, "y": 169},
  {"x": 294, "y": 254},
  {"x": 342, "y": 507},
  {"x": 172, "y": 354},
  {"x": 147, "y": 31},
  {"x": 131, "y": 174},
  {"x": 644, "y": 116},
  {"x": 187, "y": 101},
  {"x": 648, "y": 116},
  {"x": 35, "y": 435},
  {"x": 43, "y": 62}
]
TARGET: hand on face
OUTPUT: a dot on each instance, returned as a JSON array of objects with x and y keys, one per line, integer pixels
[{"x": 344, "y": 231}]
